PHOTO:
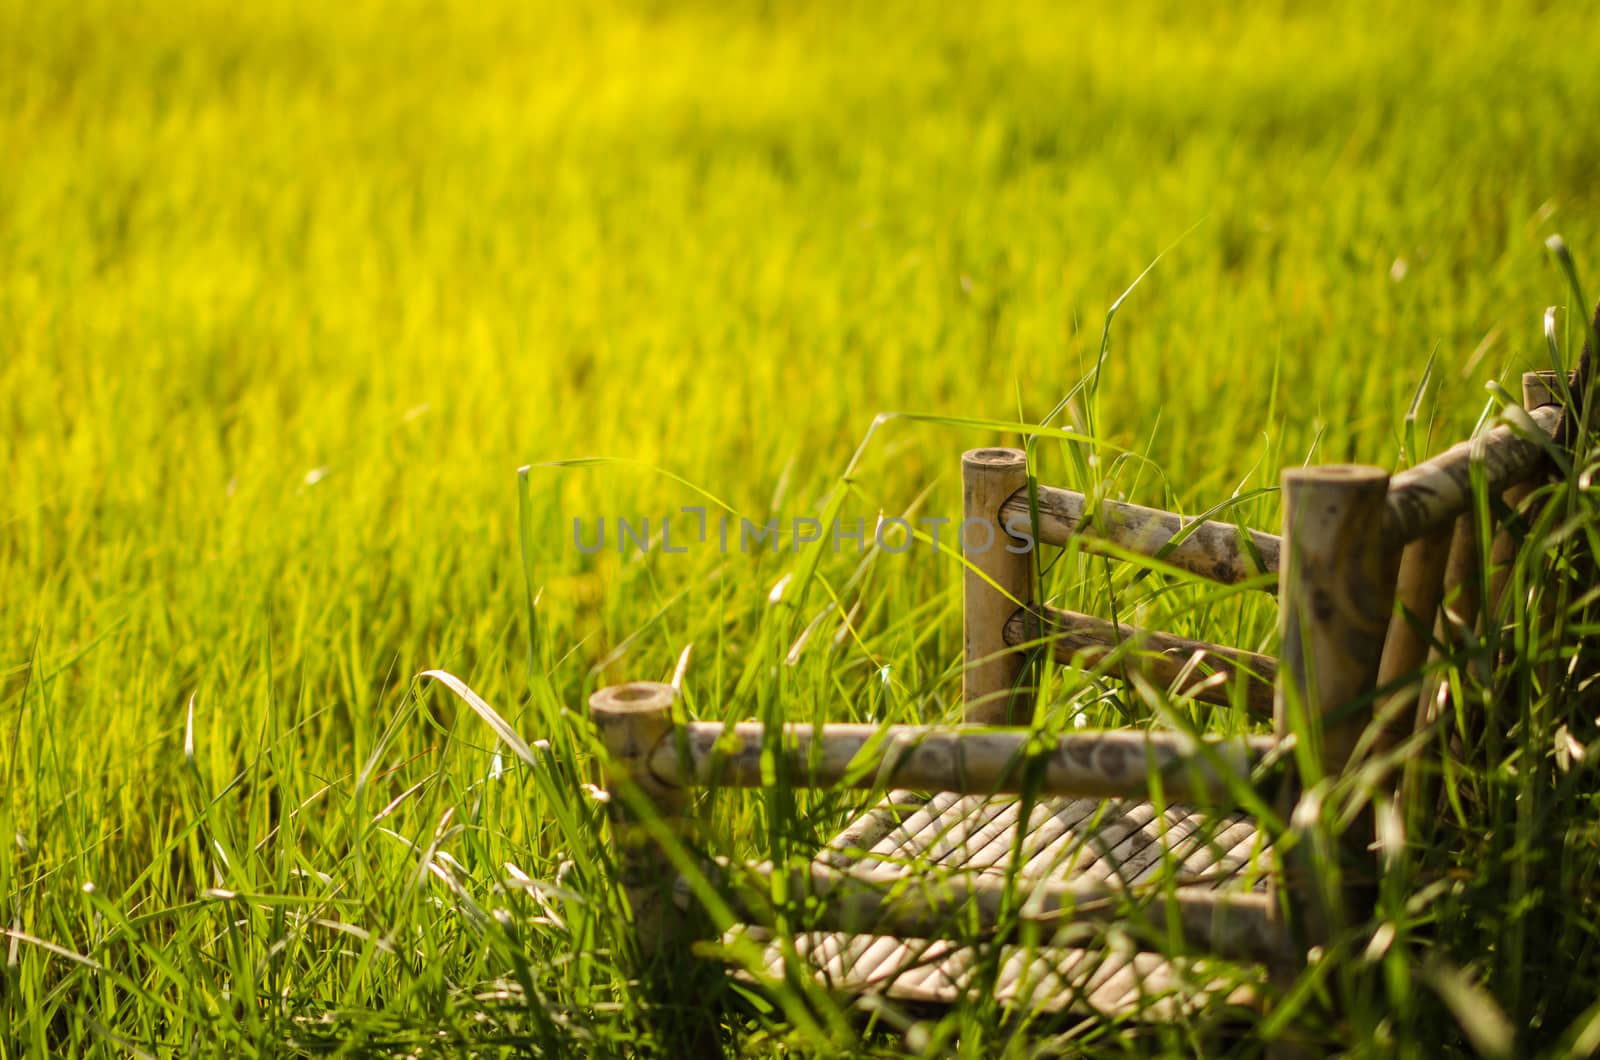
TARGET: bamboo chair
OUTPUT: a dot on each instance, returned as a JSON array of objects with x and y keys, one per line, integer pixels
[{"x": 1111, "y": 871}]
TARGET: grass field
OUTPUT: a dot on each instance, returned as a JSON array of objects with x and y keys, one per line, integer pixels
[{"x": 289, "y": 292}]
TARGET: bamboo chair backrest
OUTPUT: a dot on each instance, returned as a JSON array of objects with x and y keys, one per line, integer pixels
[{"x": 1357, "y": 541}]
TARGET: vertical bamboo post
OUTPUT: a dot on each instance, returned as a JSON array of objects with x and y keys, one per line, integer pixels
[
  {"x": 1458, "y": 612},
  {"x": 1336, "y": 587},
  {"x": 1459, "y": 603},
  {"x": 1418, "y": 590},
  {"x": 993, "y": 690},
  {"x": 1538, "y": 389},
  {"x": 1335, "y": 594},
  {"x": 633, "y": 720}
]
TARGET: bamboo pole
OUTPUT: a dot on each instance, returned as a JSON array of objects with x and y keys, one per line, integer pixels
[
  {"x": 998, "y": 579},
  {"x": 1433, "y": 494},
  {"x": 1459, "y": 609},
  {"x": 1237, "y": 925},
  {"x": 1453, "y": 626},
  {"x": 1083, "y": 640},
  {"x": 1109, "y": 764},
  {"x": 1212, "y": 549},
  {"x": 1418, "y": 591},
  {"x": 634, "y": 720},
  {"x": 1335, "y": 594},
  {"x": 1538, "y": 392}
]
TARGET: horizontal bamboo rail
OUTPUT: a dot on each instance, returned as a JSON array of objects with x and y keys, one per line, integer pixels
[
  {"x": 1430, "y": 496},
  {"x": 1211, "y": 549},
  {"x": 1238, "y": 925},
  {"x": 1077, "y": 639},
  {"x": 1109, "y": 764}
]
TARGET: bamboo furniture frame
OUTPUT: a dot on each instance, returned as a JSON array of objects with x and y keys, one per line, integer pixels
[{"x": 1367, "y": 564}]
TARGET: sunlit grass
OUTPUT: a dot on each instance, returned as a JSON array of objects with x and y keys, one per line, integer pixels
[{"x": 288, "y": 295}]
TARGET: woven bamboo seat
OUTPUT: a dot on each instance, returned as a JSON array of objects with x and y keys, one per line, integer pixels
[{"x": 1064, "y": 839}]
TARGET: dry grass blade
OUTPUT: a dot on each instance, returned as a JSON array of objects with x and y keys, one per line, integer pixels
[{"x": 501, "y": 727}]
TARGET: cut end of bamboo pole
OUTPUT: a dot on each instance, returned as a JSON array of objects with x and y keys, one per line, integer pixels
[
  {"x": 1345, "y": 475},
  {"x": 997, "y": 458},
  {"x": 633, "y": 720},
  {"x": 635, "y": 698},
  {"x": 1540, "y": 389}
]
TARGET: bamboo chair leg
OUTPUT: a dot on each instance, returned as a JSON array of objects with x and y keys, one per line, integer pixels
[
  {"x": 1538, "y": 389},
  {"x": 998, "y": 579},
  {"x": 633, "y": 719},
  {"x": 1460, "y": 606},
  {"x": 1536, "y": 392},
  {"x": 1456, "y": 619},
  {"x": 1335, "y": 598},
  {"x": 1418, "y": 591},
  {"x": 682, "y": 992},
  {"x": 1335, "y": 594},
  {"x": 1502, "y": 555}
]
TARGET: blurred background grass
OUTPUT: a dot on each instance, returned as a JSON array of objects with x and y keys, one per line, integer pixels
[{"x": 288, "y": 292}]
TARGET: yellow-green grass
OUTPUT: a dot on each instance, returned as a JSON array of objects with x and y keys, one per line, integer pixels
[{"x": 289, "y": 292}]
